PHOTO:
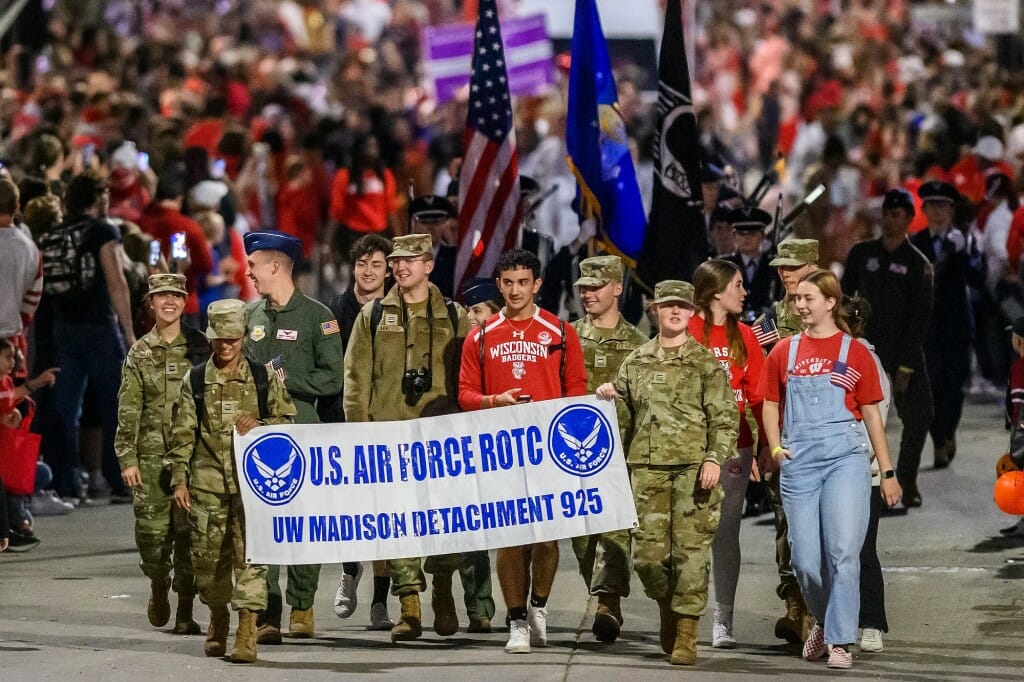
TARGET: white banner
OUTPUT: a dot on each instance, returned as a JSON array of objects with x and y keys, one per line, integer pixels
[
  {"x": 996, "y": 16},
  {"x": 326, "y": 493}
]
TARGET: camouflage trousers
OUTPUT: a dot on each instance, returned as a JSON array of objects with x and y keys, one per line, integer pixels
[
  {"x": 604, "y": 561},
  {"x": 407, "y": 574},
  {"x": 218, "y": 553},
  {"x": 787, "y": 578},
  {"x": 164, "y": 539},
  {"x": 672, "y": 547},
  {"x": 475, "y": 572}
]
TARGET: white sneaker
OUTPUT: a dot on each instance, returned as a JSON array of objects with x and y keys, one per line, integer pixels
[
  {"x": 537, "y": 618},
  {"x": 46, "y": 503},
  {"x": 345, "y": 599},
  {"x": 379, "y": 618},
  {"x": 721, "y": 633},
  {"x": 518, "y": 638},
  {"x": 871, "y": 640}
]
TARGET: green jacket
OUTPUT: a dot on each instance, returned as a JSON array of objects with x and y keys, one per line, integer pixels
[
  {"x": 604, "y": 350},
  {"x": 151, "y": 379},
  {"x": 209, "y": 465},
  {"x": 374, "y": 364},
  {"x": 786, "y": 318},
  {"x": 304, "y": 337},
  {"x": 680, "y": 409}
]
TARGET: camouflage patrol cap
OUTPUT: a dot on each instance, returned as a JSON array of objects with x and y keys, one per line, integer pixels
[
  {"x": 599, "y": 270},
  {"x": 411, "y": 246},
  {"x": 226, "y": 319},
  {"x": 796, "y": 252},
  {"x": 673, "y": 291},
  {"x": 167, "y": 282}
]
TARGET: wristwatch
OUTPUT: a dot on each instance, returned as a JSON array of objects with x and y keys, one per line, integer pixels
[{"x": 888, "y": 473}]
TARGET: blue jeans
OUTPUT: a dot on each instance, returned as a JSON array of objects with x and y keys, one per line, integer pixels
[{"x": 88, "y": 355}]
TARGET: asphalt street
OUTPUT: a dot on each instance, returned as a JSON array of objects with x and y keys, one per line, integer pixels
[{"x": 75, "y": 607}]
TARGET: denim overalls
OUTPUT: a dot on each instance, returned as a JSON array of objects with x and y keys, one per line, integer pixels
[{"x": 826, "y": 490}]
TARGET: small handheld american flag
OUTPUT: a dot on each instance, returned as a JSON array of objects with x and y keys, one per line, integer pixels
[
  {"x": 276, "y": 366},
  {"x": 765, "y": 330},
  {"x": 844, "y": 376}
]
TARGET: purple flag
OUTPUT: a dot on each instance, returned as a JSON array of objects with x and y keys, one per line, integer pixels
[{"x": 447, "y": 53}]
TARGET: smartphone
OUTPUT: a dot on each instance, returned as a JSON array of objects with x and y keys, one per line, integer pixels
[
  {"x": 88, "y": 151},
  {"x": 142, "y": 161},
  {"x": 217, "y": 168},
  {"x": 521, "y": 398},
  {"x": 178, "y": 250},
  {"x": 154, "y": 253}
]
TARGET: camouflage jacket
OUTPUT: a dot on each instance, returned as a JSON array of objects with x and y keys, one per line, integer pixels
[
  {"x": 151, "y": 379},
  {"x": 604, "y": 350},
  {"x": 375, "y": 363},
  {"x": 786, "y": 318},
  {"x": 680, "y": 409},
  {"x": 303, "y": 340},
  {"x": 209, "y": 465}
]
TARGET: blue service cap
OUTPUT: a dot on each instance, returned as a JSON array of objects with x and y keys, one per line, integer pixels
[
  {"x": 479, "y": 290},
  {"x": 274, "y": 241}
]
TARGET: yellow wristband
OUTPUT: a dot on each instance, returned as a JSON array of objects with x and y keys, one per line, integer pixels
[{"x": 776, "y": 450}]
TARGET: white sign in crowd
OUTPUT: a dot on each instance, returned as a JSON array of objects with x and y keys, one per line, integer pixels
[{"x": 326, "y": 493}]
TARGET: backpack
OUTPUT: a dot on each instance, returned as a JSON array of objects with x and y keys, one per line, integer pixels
[
  {"x": 197, "y": 379},
  {"x": 67, "y": 269}
]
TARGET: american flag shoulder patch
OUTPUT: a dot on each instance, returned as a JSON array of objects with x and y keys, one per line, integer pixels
[
  {"x": 844, "y": 376},
  {"x": 330, "y": 327}
]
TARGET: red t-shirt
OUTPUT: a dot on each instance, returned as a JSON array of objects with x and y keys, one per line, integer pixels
[
  {"x": 522, "y": 354},
  {"x": 815, "y": 357},
  {"x": 367, "y": 212},
  {"x": 744, "y": 379},
  {"x": 7, "y": 401}
]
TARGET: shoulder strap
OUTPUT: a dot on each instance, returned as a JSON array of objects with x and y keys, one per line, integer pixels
[
  {"x": 561, "y": 361},
  {"x": 453, "y": 314},
  {"x": 792, "y": 352},
  {"x": 480, "y": 356},
  {"x": 261, "y": 378},
  {"x": 844, "y": 349},
  {"x": 197, "y": 380},
  {"x": 376, "y": 313}
]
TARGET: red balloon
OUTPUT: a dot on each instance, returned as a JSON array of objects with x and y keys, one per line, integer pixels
[{"x": 1009, "y": 493}]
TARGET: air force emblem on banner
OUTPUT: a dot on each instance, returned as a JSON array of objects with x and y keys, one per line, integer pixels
[
  {"x": 580, "y": 440},
  {"x": 274, "y": 468}
]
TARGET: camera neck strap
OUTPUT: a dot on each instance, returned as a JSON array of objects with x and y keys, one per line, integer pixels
[{"x": 430, "y": 331}]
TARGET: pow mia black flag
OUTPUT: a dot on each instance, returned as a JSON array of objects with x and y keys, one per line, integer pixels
[{"x": 677, "y": 238}]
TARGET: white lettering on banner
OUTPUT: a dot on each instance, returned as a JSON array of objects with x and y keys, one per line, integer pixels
[{"x": 326, "y": 493}]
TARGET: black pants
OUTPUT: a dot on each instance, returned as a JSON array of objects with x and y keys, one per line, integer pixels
[
  {"x": 914, "y": 407},
  {"x": 872, "y": 586},
  {"x": 949, "y": 368}
]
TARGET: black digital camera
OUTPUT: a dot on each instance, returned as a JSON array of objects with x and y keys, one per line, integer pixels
[{"x": 416, "y": 382}]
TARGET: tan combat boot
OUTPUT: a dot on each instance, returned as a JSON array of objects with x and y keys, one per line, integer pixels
[
  {"x": 245, "y": 638},
  {"x": 667, "y": 634},
  {"x": 446, "y": 622},
  {"x": 684, "y": 651},
  {"x": 608, "y": 619},
  {"x": 300, "y": 623},
  {"x": 217, "y": 634},
  {"x": 793, "y": 627},
  {"x": 183, "y": 622},
  {"x": 409, "y": 626},
  {"x": 159, "y": 608}
]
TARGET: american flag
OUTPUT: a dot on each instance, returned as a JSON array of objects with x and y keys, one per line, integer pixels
[
  {"x": 844, "y": 376},
  {"x": 489, "y": 180},
  {"x": 765, "y": 330},
  {"x": 276, "y": 365}
]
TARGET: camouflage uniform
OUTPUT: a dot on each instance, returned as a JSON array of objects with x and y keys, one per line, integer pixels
[
  {"x": 604, "y": 559},
  {"x": 207, "y": 466},
  {"x": 681, "y": 412},
  {"x": 150, "y": 382},
  {"x": 373, "y": 379},
  {"x": 795, "y": 253}
]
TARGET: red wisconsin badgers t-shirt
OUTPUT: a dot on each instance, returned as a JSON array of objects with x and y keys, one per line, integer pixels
[
  {"x": 524, "y": 354},
  {"x": 818, "y": 356},
  {"x": 745, "y": 379}
]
